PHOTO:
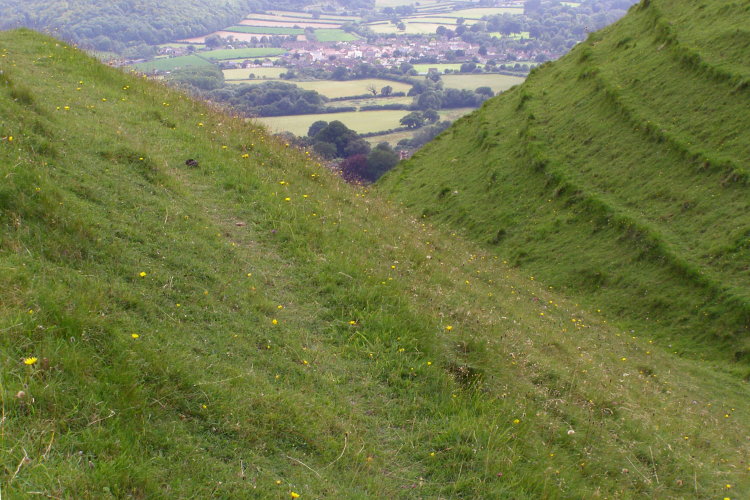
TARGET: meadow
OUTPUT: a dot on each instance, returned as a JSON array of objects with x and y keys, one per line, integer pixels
[
  {"x": 334, "y": 35},
  {"x": 360, "y": 121},
  {"x": 497, "y": 82},
  {"x": 426, "y": 22},
  {"x": 291, "y": 22},
  {"x": 240, "y": 53},
  {"x": 373, "y": 101},
  {"x": 422, "y": 69},
  {"x": 265, "y": 30},
  {"x": 286, "y": 15},
  {"x": 171, "y": 63}
]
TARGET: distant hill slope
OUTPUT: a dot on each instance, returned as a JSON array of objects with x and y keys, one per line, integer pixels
[
  {"x": 620, "y": 173},
  {"x": 112, "y": 25},
  {"x": 190, "y": 308},
  {"x": 119, "y": 25}
]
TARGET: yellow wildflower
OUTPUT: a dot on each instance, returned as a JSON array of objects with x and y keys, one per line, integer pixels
[{"x": 30, "y": 361}]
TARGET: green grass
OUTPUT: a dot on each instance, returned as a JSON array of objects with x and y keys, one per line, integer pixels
[
  {"x": 238, "y": 53},
  {"x": 424, "y": 68},
  {"x": 359, "y": 121},
  {"x": 619, "y": 175},
  {"x": 265, "y": 30},
  {"x": 334, "y": 35},
  {"x": 497, "y": 82},
  {"x": 359, "y": 389},
  {"x": 373, "y": 101},
  {"x": 172, "y": 63}
]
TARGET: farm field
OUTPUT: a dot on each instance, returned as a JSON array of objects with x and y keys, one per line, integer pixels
[
  {"x": 171, "y": 63},
  {"x": 438, "y": 18},
  {"x": 255, "y": 60},
  {"x": 422, "y": 69},
  {"x": 359, "y": 121},
  {"x": 497, "y": 82},
  {"x": 222, "y": 54},
  {"x": 291, "y": 23},
  {"x": 362, "y": 122},
  {"x": 260, "y": 73},
  {"x": 303, "y": 15},
  {"x": 243, "y": 37},
  {"x": 334, "y": 35},
  {"x": 264, "y": 30},
  {"x": 391, "y": 139},
  {"x": 177, "y": 45},
  {"x": 373, "y": 101},
  {"x": 396, "y": 3},
  {"x": 335, "y": 89}
]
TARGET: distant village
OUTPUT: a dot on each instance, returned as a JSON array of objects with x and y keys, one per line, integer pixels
[{"x": 384, "y": 51}]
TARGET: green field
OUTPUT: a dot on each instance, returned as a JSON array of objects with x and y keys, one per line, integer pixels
[
  {"x": 257, "y": 60},
  {"x": 422, "y": 69},
  {"x": 392, "y": 139},
  {"x": 286, "y": 21},
  {"x": 306, "y": 15},
  {"x": 172, "y": 63},
  {"x": 260, "y": 73},
  {"x": 334, "y": 35},
  {"x": 362, "y": 122},
  {"x": 265, "y": 30},
  {"x": 240, "y": 53},
  {"x": 379, "y": 101},
  {"x": 359, "y": 121},
  {"x": 497, "y": 82},
  {"x": 181, "y": 45}
]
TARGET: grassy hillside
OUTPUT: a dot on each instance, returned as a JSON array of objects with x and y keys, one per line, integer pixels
[
  {"x": 618, "y": 174},
  {"x": 245, "y": 325}
]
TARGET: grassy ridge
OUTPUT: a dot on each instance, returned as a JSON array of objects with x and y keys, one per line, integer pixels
[
  {"x": 251, "y": 327},
  {"x": 618, "y": 173}
]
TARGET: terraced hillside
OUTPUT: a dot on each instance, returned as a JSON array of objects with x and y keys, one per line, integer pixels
[
  {"x": 619, "y": 174},
  {"x": 190, "y": 308}
]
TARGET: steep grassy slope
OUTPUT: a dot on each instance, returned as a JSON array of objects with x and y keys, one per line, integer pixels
[
  {"x": 251, "y": 327},
  {"x": 620, "y": 174}
]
